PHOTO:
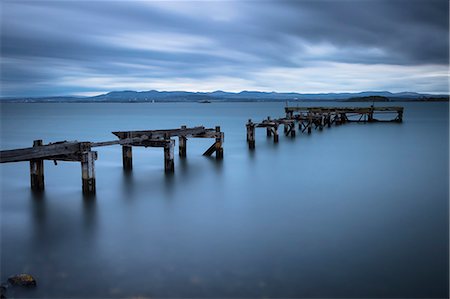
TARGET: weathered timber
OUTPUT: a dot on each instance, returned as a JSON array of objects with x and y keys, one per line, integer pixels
[
  {"x": 81, "y": 152},
  {"x": 169, "y": 166},
  {"x": 366, "y": 114},
  {"x": 88, "y": 172},
  {"x": 218, "y": 145},
  {"x": 250, "y": 134},
  {"x": 37, "y": 171},
  {"x": 182, "y": 143},
  {"x": 127, "y": 157},
  {"x": 197, "y": 132},
  {"x": 44, "y": 151}
]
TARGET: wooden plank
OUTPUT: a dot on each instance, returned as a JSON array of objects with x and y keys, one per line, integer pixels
[
  {"x": 155, "y": 134},
  {"x": 44, "y": 151}
]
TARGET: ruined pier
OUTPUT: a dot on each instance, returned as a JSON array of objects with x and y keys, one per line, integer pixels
[
  {"x": 309, "y": 118},
  {"x": 75, "y": 151}
]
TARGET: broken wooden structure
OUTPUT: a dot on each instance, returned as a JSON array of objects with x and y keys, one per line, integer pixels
[
  {"x": 309, "y": 118},
  {"x": 271, "y": 126},
  {"x": 73, "y": 151},
  {"x": 340, "y": 115},
  {"x": 76, "y": 151},
  {"x": 162, "y": 138}
]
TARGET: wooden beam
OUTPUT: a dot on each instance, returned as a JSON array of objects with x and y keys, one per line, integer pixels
[{"x": 44, "y": 151}]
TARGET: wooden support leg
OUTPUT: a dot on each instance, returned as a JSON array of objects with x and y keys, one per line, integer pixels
[
  {"x": 37, "y": 171},
  {"x": 250, "y": 134},
  {"x": 88, "y": 172},
  {"x": 293, "y": 130},
  {"x": 219, "y": 148},
  {"x": 285, "y": 129},
  {"x": 310, "y": 123},
  {"x": 275, "y": 134},
  {"x": 168, "y": 156},
  {"x": 400, "y": 116},
  {"x": 182, "y": 141},
  {"x": 269, "y": 132},
  {"x": 127, "y": 157},
  {"x": 182, "y": 144}
]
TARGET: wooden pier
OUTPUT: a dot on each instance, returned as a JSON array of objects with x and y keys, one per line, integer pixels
[
  {"x": 309, "y": 118},
  {"x": 82, "y": 152}
]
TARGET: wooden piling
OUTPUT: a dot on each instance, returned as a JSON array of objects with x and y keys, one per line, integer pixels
[
  {"x": 88, "y": 172},
  {"x": 169, "y": 165},
  {"x": 219, "y": 148},
  {"x": 269, "y": 131},
  {"x": 309, "y": 122},
  {"x": 127, "y": 157},
  {"x": 275, "y": 134},
  {"x": 293, "y": 130},
  {"x": 251, "y": 134},
  {"x": 182, "y": 144},
  {"x": 37, "y": 171}
]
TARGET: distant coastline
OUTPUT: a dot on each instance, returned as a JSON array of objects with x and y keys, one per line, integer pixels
[{"x": 154, "y": 96}]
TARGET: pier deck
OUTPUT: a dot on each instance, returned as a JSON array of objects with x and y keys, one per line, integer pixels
[
  {"x": 320, "y": 117},
  {"x": 82, "y": 152}
]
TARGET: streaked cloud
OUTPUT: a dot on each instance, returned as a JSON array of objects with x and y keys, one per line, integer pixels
[{"x": 83, "y": 47}]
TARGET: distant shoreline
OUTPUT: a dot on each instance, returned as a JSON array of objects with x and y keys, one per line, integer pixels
[{"x": 80, "y": 101}]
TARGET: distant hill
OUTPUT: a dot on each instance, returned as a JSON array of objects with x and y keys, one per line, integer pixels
[
  {"x": 369, "y": 99},
  {"x": 243, "y": 96}
]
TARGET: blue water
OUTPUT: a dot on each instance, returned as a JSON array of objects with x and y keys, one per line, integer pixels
[{"x": 359, "y": 210}]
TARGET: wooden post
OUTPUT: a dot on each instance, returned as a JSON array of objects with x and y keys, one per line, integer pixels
[
  {"x": 309, "y": 122},
  {"x": 321, "y": 121},
  {"x": 168, "y": 156},
  {"x": 400, "y": 116},
  {"x": 275, "y": 134},
  {"x": 370, "y": 115},
  {"x": 182, "y": 143},
  {"x": 127, "y": 157},
  {"x": 285, "y": 129},
  {"x": 37, "y": 171},
  {"x": 219, "y": 148},
  {"x": 88, "y": 172},
  {"x": 268, "y": 130},
  {"x": 292, "y": 130},
  {"x": 251, "y": 134}
]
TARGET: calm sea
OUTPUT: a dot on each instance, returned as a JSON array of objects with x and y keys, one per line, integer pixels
[{"x": 359, "y": 210}]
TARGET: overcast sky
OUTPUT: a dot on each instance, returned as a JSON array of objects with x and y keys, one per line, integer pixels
[{"x": 86, "y": 47}]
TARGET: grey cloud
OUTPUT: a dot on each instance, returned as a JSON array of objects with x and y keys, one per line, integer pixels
[{"x": 71, "y": 38}]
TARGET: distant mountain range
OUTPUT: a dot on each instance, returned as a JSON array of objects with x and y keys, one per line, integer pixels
[{"x": 243, "y": 96}]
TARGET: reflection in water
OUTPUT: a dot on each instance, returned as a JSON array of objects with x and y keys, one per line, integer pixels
[
  {"x": 339, "y": 208},
  {"x": 89, "y": 214}
]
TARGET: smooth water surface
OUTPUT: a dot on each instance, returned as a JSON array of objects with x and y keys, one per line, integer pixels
[{"x": 359, "y": 210}]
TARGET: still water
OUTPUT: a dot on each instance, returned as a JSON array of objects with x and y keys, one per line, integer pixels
[{"x": 359, "y": 210}]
